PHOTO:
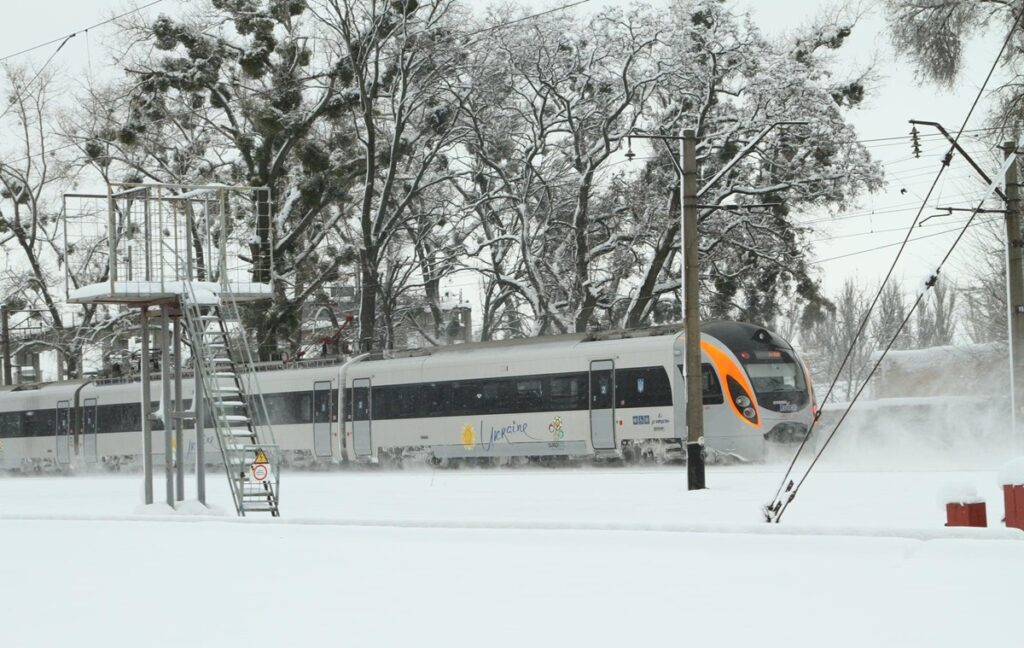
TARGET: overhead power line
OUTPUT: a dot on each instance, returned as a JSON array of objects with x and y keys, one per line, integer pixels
[
  {"x": 787, "y": 490},
  {"x": 889, "y": 245},
  {"x": 67, "y": 37},
  {"x": 523, "y": 19},
  {"x": 64, "y": 39},
  {"x": 18, "y": 92}
]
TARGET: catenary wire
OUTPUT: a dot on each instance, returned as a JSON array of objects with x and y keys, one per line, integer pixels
[
  {"x": 65, "y": 38},
  {"x": 775, "y": 510}
]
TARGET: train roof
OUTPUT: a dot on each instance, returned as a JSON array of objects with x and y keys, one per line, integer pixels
[
  {"x": 736, "y": 335},
  {"x": 569, "y": 339},
  {"x": 743, "y": 336},
  {"x": 543, "y": 343}
]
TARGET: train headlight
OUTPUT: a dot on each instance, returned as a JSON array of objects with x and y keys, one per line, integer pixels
[{"x": 742, "y": 402}]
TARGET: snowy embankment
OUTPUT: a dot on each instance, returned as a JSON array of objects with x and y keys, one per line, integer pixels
[{"x": 589, "y": 557}]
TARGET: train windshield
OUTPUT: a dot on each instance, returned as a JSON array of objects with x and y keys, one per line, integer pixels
[{"x": 773, "y": 372}]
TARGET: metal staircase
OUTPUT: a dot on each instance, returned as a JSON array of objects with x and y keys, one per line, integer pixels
[{"x": 233, "y": 398}]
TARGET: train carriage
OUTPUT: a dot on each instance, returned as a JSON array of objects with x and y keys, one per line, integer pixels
[{"x": 616, "y": 395}]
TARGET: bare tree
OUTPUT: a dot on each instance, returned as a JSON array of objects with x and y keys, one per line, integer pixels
[
  {"x": 934, "y": 34},
  {"x": 984, "y": 289},
  {"x": 831, "y": 335},
  {"x": 937, "y": 317},
  {"x": 403, "y": 58},
  {"x": 234, "y": 92},
  {"x": 32, "y": 176},
  {"x": 563, "y": 93},
  {"x": 728, "y": 83},
  {"x": 888, "y": 317}
]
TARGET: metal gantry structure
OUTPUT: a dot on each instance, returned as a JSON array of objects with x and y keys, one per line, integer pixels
[{"x": 192, "y": 254}]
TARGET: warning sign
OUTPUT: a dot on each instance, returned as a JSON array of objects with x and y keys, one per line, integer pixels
[
  {"x": 260, "y": 467},
  {"x": 260, "y": 472}
]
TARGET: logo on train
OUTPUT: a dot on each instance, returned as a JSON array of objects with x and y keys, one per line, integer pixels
[
  {"x": 468, "y": 436},
  {"x": 555, "y": 429}
]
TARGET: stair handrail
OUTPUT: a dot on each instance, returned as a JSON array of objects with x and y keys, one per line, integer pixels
[
  {"x": 253, "y": 387},
  {"x": 193, "y": 314}
]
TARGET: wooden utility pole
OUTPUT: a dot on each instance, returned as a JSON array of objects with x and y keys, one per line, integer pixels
[
  {"x": 692, "y": 375},
  {"x": 691, "y": 315},
  {"x": 1015, "y": 287}
]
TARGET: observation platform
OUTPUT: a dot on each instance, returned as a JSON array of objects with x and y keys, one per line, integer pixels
[
  {"x": 149, "y": 244},
  {"x": 155, "y": 292}
]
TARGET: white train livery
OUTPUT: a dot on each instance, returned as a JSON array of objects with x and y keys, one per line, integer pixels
[{"x": 607, "y": 396}]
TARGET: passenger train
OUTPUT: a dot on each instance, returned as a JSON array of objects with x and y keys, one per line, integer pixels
[{"x": 616, "y": 396}]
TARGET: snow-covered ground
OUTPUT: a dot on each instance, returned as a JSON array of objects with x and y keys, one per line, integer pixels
[{"x": 589, "y": 557}]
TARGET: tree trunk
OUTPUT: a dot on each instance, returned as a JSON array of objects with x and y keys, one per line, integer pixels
[
  {"x": 367, "y": 302},
  {"x": 638, "y": 312}
]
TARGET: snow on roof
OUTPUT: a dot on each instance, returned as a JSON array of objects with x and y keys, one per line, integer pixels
[
  {"x": 205, "y": 292},
  {"x": 1012, "y": 473},
  {"x": 939, "y": 356},
  {"x": 959, "y": 493}
]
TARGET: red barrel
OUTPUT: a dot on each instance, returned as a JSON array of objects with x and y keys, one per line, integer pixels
[
  {"x": 966, "y": 514},
  {"x": 1013, "y": 500}
]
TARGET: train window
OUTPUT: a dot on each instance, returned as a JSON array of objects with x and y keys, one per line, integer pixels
[
  {"x": 497, "y": 397},
  {"x": 322, "y": 408},
  {"x": 711, "y": 386},
  {"x": 780, "y": 375},
  {"x": 642, "y": 387},
  {"x": 279, "y": 408},
  {"x": 303, "y": 404},
  {"x": 529, "y": 394},
  {"x": 10, "y": 425},
  {"x": 433, "y": 399},
  {"x": 131, "y": 417},
  {"x": 382, "y": 397},
  {"x": 568, "y": 392},
  {"x": 256, "y": 410},
  {"x": 361, "y": 404},
  {"x": 395, "y": 401},
  {"x": 275, "y": 409},
  {"x": 466, "y": 397},
  {"x": 396, "y": 405},
  {"x": 39, "y": 423}
]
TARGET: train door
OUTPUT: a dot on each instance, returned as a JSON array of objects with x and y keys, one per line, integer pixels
[
  {"x": 361, "y": 423},
  {"x": 602, "y": 404},
  {"x": 89, "y": 424},
  {"x": 63, "y": 432},
  {"x": 322, "y": 418}
]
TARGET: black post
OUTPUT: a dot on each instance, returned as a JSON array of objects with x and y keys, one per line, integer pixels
[{"x": 5, "y": 345}]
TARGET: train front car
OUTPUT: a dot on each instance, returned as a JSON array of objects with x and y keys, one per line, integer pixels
[{"x": 765, "y": 389}]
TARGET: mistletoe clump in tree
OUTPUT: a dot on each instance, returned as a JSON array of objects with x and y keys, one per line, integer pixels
[
  {"x": 240, "y": 82},
  {"x": 568, "y": 237}
]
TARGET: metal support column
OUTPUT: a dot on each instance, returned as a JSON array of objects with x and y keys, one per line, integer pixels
[
  {"x": 179, "y": 419},
  {"x": 165, "y": 401},
  {"x": 147, "y": 414},
  {"x": 691, "y": 315},
  {"x": 1015, "y": 290},
  {"x": 198, "y": 400}
]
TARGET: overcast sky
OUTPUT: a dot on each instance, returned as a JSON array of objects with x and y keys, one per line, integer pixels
[{"x": 895, "y": 99}]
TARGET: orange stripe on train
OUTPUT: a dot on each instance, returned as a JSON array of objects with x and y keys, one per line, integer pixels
[{"x": 727, "y": 368}]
